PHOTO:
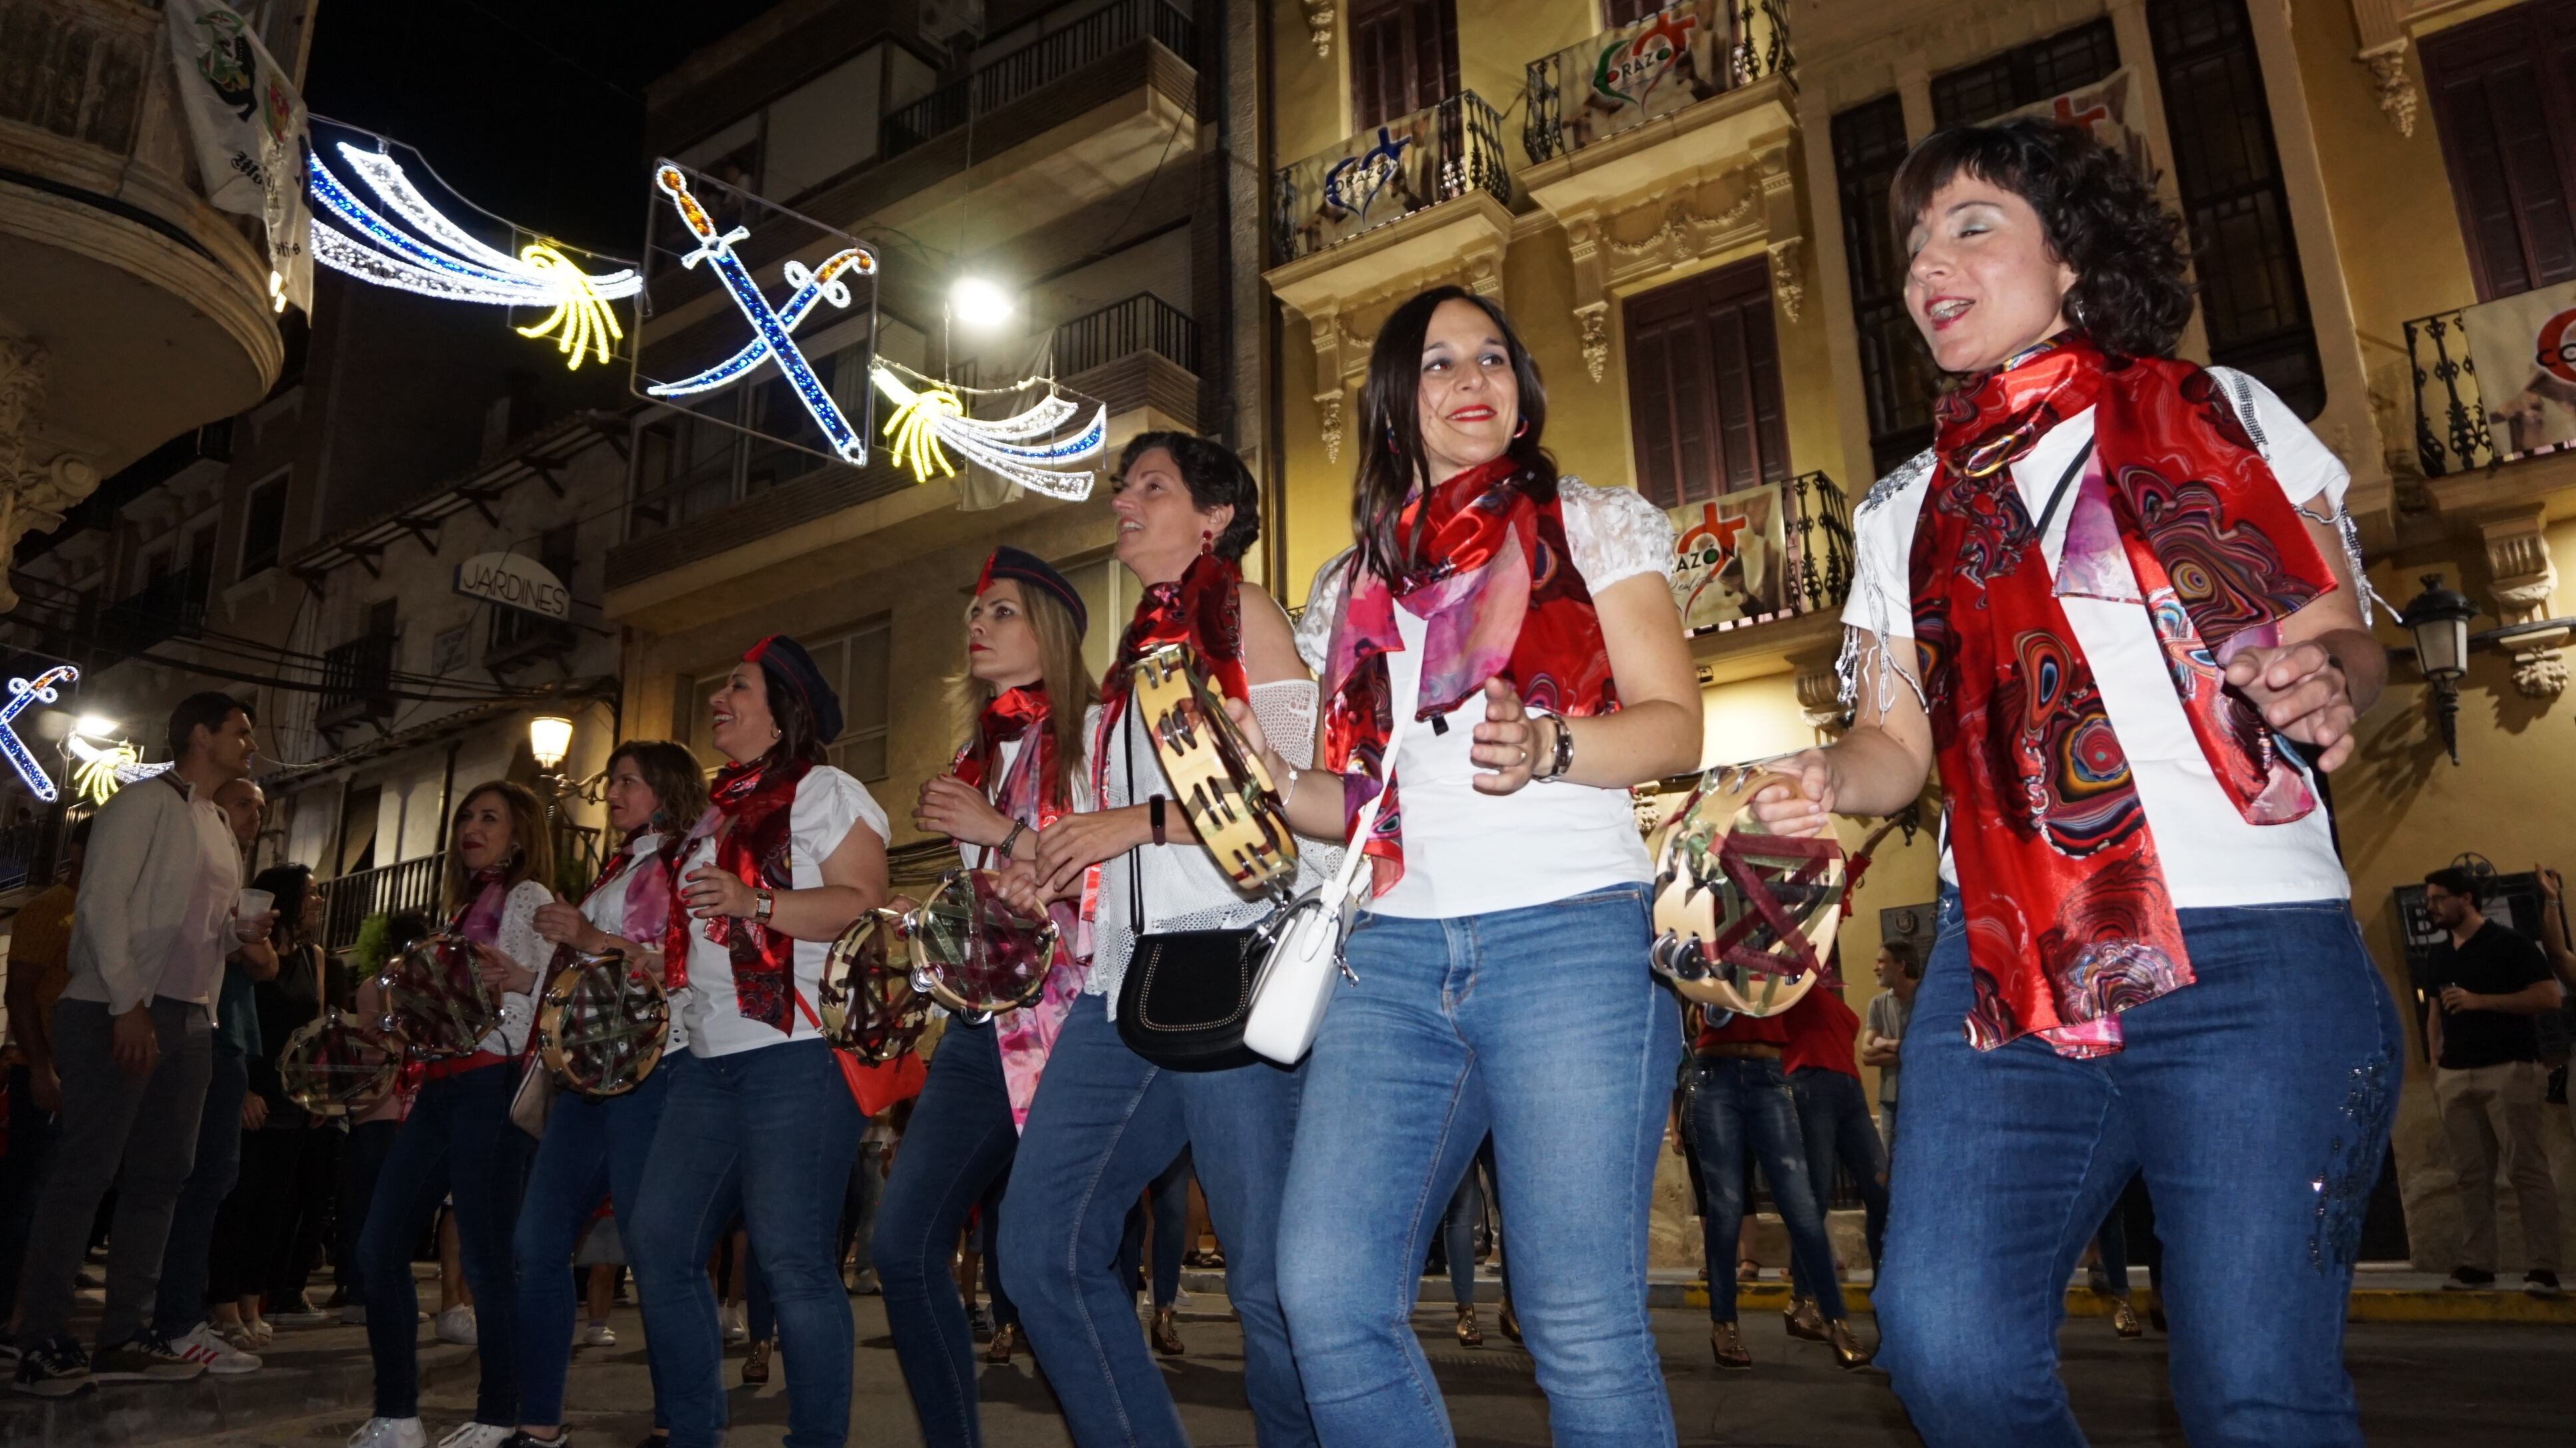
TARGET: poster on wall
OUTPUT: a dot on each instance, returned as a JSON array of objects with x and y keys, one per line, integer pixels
[
  {"x": 2108, "y": 108},
  {"x": 1652, "y": 67},
  {"x": 1731, "y": 558},
  {"x": 2525, "y": 350}
]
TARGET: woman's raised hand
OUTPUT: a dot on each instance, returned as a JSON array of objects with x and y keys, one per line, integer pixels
[
  {"x": 1806, "y": 806},
  {"x": 1506, "y": 745}
]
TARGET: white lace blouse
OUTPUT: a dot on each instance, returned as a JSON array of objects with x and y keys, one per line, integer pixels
[{"x": 518, "y": 939}]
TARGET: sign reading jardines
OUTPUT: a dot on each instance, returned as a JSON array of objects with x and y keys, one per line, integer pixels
[{"x": 514, "y": 582}]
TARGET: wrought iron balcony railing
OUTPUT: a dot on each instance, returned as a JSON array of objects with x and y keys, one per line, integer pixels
[
  {"x": 1141, "y": 323},
  {"x": 1411, "y": 163},
  {"x": 386, "y": 890},
  {"x": 166, "y": 608},
  {"x": 1049, "y": 58},
  {"x": 1678, "y": 56},
  {"x": 2451, "y": 432},
  {"x": 357, "y": 681}
]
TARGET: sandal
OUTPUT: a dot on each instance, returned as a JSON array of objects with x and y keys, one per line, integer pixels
[{"x": 1748, "y": 1270}]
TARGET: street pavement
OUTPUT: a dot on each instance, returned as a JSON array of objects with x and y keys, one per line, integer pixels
[{"x": 2422, "y": 1385}]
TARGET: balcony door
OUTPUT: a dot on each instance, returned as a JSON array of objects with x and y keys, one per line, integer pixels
[
  {"x": 1404, "y": 57},
  {"x": 2504, "y": 97},
  {"x": 1704, "y": 386}
]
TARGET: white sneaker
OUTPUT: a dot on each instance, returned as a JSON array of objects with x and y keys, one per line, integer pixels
[
  {"x": 599, "y": 1334},
  {"x": 737, "y": 1322},
  {"x": 456, "y": 1325},
  {"x": 202, "y": 1344},
  {"x": 390, "y": 1433},
  {"x": 476, "y": 1435}
]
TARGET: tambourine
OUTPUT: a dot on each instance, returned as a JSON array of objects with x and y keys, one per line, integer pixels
[
  {"x": 975, "y": 953},
  {"x": 1223, "y": 787},
  {"x": 335, "y": 1065},
  {"x": 603, "y": 1023},
  {"x": 867, "y": 1002},
  {"x": 436, "y": 1004},
  {"x": 1744, "y": 918}
]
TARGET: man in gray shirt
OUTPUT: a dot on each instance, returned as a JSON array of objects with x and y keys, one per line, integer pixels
[
  {"x": 133, "y": 1044},
  {"x": 1898, "y": 973}
]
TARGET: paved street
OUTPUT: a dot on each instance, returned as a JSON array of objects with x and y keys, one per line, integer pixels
[{"x": 2423, "y": 1385}]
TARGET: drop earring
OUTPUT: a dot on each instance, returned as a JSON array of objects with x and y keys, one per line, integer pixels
[
  {"x": 1521, "y": 430},
  {"x": 1391, "y": 448},
  {"x": 1207, "y": 542}
]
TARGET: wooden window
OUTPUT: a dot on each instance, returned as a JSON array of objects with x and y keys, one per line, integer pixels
[
  {"x": 1704, "y": 386},
  {"x": 263, "y": 525},
  {"x": 2253, "y": 300},
  {"x": 2504, "y": 98},
  {"x": 1896, "y": 371},
  {"x": 1404, "y": 57},
  {"x": 1615, "y": 13},
  {"x": 2026, "y": 74}
]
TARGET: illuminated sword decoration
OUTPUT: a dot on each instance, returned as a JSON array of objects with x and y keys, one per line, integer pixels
[
  {"x": 23, "y": 692},
  {"x": 923, "y": 420},
  {"x": 771, "y": 329}
]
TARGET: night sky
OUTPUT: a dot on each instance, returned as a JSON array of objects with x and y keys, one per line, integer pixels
[{"x": 533, "y": 109}]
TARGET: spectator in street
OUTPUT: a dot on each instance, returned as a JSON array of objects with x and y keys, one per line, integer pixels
[
  {"x": 371, "y": 1132},
  {"x": 179, "y": 1311},
  {"x": 1899, "y": 972},
  {"x": 40, "y": 951},
  {"x": 1833, "y": 1125},
  {"x": 285, "y": 1180},
  {"x": 2489, "y": 985},
  {"x": 133, "y": 1044}
]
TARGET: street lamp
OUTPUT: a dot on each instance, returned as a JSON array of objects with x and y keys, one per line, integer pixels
[
  {"x": 2439, "y": 618},
  {"x": 549, "y": 740},
  {"x": 978, "y": 303}
]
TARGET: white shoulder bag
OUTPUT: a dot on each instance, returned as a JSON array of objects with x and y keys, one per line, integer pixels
[{"x": 1296, "y": 981}]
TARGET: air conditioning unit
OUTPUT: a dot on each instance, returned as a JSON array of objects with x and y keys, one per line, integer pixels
[{"x": 947, "y": 20}]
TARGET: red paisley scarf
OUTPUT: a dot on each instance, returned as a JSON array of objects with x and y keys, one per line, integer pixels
[
  {"x": 752, "y": 805},
  {"x": 1015, "y": 713},
  {"x": 1498, "y": 588},
  {"x": 2068, "y": 919}
]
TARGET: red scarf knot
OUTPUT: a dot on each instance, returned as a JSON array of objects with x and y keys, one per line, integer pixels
[{"x": 750, "y": 816}]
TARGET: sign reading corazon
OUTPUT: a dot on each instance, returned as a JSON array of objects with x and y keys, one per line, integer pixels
[
  {"x": 2525, "y": 349},
  {"x": 514, "y": 582}
]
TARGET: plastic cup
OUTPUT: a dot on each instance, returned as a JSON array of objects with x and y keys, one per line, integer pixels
[{"x": 248, "y": 906}]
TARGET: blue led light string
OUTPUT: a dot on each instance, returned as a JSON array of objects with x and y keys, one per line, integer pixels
[{"x": 23, "y": 693}]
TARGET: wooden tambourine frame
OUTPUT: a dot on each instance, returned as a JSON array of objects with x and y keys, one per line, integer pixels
[
  {"x": 435, "y": 1002},
  {"x": 869, "y": 1001},
  {"x": 957, "y": 893},
  {"x": 1744, "y": 918},
  {"x": 603, "y": 1024},
  {"x": 1223, "y": 787},
  {"x": 335, "y": 1066}
]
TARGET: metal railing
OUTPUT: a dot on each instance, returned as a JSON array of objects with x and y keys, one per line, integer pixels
[
  {"x": 30, "y": 851},
  {"x": 386, "y": 890},
  {"x": 357, "y": 680},
  {"x": 1141, "y": 323},
  {"x": 517, "y": 636},
  {"x": 1413, "y": 162},
  {"x": 1049, "y": 58},
  {"x": 169, "y": 606},
  {"x": 1816, "y": 570},
  {"x": 1680, "y": 55},
  {"x": 2451, "y": 432}
]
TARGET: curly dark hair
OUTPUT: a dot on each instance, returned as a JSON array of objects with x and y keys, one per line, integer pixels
[
  {"x": 2102, "y": 219},
  {"x": 1215, "y": 477}
]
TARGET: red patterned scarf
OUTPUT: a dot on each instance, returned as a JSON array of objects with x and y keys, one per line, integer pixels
[
  {"x": 1016, "y": 713},
  {"x": 1497, "y": 586},
  {"x": 1204, "y": 610},
  {"x": 752, "y": 804},
  {"x": 479, "y": 918},
  {"x": 651, "y": 897},
  {"x": 2068, "y": 919}
]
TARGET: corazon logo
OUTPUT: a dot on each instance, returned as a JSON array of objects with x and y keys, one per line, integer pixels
[
  {"x": 1629, "y": 70},
  {"x": 2556, "y": 353}
]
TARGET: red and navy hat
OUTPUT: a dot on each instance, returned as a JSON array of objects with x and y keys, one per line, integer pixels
[
  {"x": 785, "y": 659},
  {"x": 1026, "y": 567}
]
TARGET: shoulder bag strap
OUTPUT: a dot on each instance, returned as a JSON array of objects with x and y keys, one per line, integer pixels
[
  {"x": 1135, "y": 870},
  {"x": 1408, "y": 700}
]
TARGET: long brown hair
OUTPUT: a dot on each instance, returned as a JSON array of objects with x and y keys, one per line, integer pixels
[
  {"x": 1392, "y": 462},
  {"x": 1070, "y": 689},
  {"x": 671, "y": 772},
  {"x": 532, "y": 846}
]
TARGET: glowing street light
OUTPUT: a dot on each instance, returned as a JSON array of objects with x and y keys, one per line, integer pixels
[{"x": 978, "y": 303}]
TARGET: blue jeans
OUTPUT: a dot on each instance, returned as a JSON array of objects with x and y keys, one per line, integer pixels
[
  {"x": 179, "y": 1302},
  {"x": 1833, "y": 1121},
  {"x": 457, "y": 1145},
  {"x": 958, "y": 1145},
  {"x": 2257, "y": 1103},
  {"x": 1543, "y": 1026},
  {"x": 1105, "y": 1123},
  {"x": 1733, "y": 1101},
  {"x": 1167, "y": 1204},
  {"x": 591, "y": 1149},
  {"x": 769, "y": 1133}
]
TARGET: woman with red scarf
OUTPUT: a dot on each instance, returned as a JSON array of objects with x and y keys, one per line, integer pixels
[
  {"x": 2137, "y": 642},
  {"x": 458, "y": 1144},
  {"x": 759, "y": 1118},
  {"x": 1502, "y": 982},
  {"x": 1020, "y": 770},
  {"x": 597, "y": 1148},
  {"x": 1106, "y": 1121}
]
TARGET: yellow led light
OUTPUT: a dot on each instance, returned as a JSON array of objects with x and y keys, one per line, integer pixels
[
  {"x": 582, "y": 323},
  {"x": 94, "y": 777},
  {"x": 915, "y": 430}
]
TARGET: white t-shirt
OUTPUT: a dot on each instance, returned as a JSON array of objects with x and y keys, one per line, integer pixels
[
  {"x": 195, "y": 965},
  {"x": 606, "y": 910},
  {"x": 1471, "y": 853},
  {"x": 2210, "y": 854},
  {"x": 828, "y": 804}
]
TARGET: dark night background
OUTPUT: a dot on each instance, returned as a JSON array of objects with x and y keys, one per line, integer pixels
[{"x": 533, "y": 110}]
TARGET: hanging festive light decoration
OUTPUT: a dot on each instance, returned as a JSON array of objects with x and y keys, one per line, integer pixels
[
  {"x": 22, "y": 694},
  {"x": 419, "y": 248},
  {"x": 924, "y": 419},
  {"x": 106, "y": 768},
  {"x": 771, "y": 331}
]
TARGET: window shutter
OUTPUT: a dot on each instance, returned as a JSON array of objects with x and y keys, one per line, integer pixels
[
  {"x": 2504, "y": 96},
  {"x": 1704, "y": 387},
  {"x": 1404, "y": 57}
]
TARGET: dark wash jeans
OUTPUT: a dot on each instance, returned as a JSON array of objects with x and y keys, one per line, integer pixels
[
  {"x": 1736, "y": 1100},
  {"x": 457, "y": 1145},
  {"x": 768, "y": 1133},
  {"x": 958, "y": 1145},
  {"x": 591, "y": 1150},
  {"x": 179, "y": 1302},
  {"x": 2256, "y": 1101},
  {"x": 1833, "y": 1121}
]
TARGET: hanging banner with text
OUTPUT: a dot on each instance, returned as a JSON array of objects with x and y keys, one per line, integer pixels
[
  {"x": 249, "y": 127},
  {"x": 2525, "y": 350}
]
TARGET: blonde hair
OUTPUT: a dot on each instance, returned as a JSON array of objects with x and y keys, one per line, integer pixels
[
  {"x": 532, "y": 846},
  {"x": 1070, "y": 689}
]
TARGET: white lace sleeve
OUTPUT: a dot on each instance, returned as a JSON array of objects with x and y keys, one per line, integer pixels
[
  {"x": 1286, "y": 709},
  {"x": 1615, "y": 533},
  {"x": 1880, "y": 606},
  {"x": 2305, "y": 467},
  {"x": 518, "y": 939},
  {"x": 1323, "y": 610}
]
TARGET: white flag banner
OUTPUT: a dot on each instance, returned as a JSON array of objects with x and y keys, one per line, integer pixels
[
  {"x": 2108, "y": 108},
  {"x": 249, "y": 127},
  {"x": 2525, "y": 350}
]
